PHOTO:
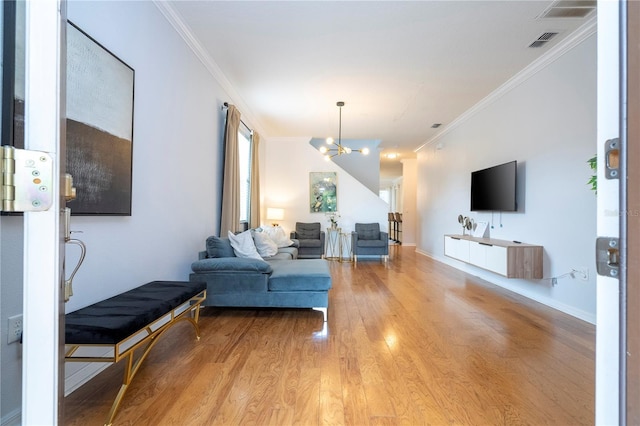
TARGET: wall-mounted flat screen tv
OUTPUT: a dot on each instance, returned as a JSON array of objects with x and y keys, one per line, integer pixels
[{"x": 494, "y": 188}]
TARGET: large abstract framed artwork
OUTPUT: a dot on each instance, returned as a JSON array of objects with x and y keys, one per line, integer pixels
[
  {"x": 99, "y": 127},
  {"x": 13, "y": 72},
  {"x": 323, "y": 192}
]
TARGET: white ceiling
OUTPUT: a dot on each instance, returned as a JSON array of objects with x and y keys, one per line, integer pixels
[{"x": 398, "y": 66}]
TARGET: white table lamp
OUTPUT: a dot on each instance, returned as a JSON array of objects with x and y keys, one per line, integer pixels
[{"x": 275, "y": 215}]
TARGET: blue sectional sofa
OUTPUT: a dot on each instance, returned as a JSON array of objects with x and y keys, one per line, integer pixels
[{"x": 281, "y": 281}]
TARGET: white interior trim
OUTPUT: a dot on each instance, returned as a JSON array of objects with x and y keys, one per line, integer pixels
[
  {"x": 43, "y": 306},
  {"x": 581, "y": 34},
  {"x": 490, "y": 277},
  {"x": 201, "y": 53}
]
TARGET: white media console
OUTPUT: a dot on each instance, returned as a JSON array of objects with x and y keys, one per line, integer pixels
[{"x": 508, "y": 258}]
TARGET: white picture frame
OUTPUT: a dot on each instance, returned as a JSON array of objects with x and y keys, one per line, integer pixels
[{"x": 481, "y": 230}]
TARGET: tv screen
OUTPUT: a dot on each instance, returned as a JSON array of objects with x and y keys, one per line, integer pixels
[{"x": 494, "y": 189}]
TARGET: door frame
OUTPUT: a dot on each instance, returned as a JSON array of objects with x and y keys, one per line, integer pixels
[
  {"x": 630, "y": 221},
  {"x": 607, "y": 390},
  {"x": 43, "y": 295}
]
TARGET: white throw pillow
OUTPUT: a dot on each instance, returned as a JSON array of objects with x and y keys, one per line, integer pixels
[
  {"x": 243, "y": 245},
  {"x": 278, "y": 236},
  {"x": 264, "y": 244}
]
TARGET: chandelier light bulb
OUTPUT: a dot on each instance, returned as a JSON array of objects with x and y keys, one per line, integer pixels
[
  {"x": 347, "y": 150},
  {"x": 330, "y": 140},
  {"x": 323, "y": 149},
  {"x": 327, "y": 158},
  {"x": 365, "y": 151}
]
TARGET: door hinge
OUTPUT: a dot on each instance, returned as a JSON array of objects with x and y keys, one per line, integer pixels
[
  {"x": 27, "y": 180},
  {"x": 608, "y": 256}
]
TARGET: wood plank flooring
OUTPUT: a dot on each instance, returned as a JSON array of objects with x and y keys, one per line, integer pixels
[{"x": 411, "y": 342}]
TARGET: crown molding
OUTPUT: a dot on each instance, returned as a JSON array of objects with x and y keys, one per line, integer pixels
[
  {"x": 174, "y": 18},
  {"x": 575, "y": 38}
]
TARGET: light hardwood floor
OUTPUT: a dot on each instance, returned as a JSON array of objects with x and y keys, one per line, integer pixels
[{"x": 411, "y": 342}]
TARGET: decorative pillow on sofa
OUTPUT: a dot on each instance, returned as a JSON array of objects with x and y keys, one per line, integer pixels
[
  {"x": 277, "y": 235},
  {"x": 243, "y": 245},
  {"x": 264, "y": 244},
  {"x": 219, "y": 247}
]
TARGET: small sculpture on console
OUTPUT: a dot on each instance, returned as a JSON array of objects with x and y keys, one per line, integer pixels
[{"x": 466, "y": 222}]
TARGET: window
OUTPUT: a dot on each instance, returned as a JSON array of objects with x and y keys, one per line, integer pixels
[{"x": 244, "y": 160}]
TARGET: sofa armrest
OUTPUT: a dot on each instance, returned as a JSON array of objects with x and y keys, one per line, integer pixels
[
  {"x": 231, "y": 264},
  {"x": 384, "y": 236},
  {"x": 293, "y": 235}
]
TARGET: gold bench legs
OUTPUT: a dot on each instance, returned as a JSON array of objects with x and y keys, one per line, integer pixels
[{"x": 132, "y": 367}]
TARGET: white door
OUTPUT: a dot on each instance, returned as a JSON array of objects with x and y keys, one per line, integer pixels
[{"x": 43, "y": 305}]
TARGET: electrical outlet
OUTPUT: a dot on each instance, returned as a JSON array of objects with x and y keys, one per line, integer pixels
[
  {"x": 581, "y": 273},
  {"x": 15, "y": 329}
]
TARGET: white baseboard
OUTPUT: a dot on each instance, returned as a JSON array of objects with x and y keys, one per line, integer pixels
[
  {"x": 86, "y": 372},
  {"x": 495, "y": 279},
  {"x": 82, "y": 376},
  {"x": 80, "y": 373}
]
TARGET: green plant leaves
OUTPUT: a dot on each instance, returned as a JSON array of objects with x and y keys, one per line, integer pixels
[{"x": 593, "y": 181}]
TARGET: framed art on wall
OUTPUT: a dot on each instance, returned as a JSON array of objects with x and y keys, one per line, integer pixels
[
  {"x": 323, "y": 192},
  {"x": 99, "y": 127}
]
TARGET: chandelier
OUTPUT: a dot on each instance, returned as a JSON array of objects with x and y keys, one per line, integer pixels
[{"x": 337, "y": 148}]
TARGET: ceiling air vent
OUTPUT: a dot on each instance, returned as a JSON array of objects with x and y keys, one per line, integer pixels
[
  {"x": 543, "y": 39},
  {"x": 569, "y": 9}
]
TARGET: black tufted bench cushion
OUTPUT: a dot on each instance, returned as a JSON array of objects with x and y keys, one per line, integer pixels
[{"x": 113, "y": 320}]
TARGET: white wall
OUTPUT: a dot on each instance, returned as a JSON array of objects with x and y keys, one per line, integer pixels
[
  {"x": 546, "y": 123},
  {"x": 286, "y": 168},
  {"x": 11, "y": 252},
  {"x": 409, "y": 205},
  {"x": 177, "y": 152},
  {"x": 177, "y": 158}
]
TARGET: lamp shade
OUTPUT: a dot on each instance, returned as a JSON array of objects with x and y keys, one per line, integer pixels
[{"x": 275, "y": 214}]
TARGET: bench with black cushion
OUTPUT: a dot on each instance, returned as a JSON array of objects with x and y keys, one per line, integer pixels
[{"x": 129, "y": 321}]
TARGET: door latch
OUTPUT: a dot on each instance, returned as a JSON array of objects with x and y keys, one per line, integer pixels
[
  {"x": 68, "y": 190},
  {"x": 68, "y": 283},
  {"x": 608, "y": 256},
  {"x": 612, "y": 159},
  {"x": 27, "y": 180},
  {"x": 69, "y": 193}
]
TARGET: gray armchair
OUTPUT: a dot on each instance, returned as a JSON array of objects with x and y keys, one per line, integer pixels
[
  {"x": 368, "y": 240},
  {"x": 311, "y": 239}
]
